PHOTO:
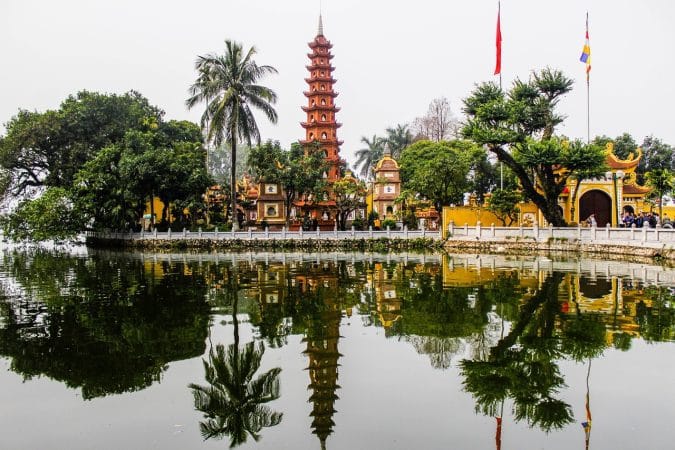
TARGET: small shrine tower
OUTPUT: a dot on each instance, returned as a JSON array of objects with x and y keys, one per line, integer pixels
[
  {"x": 387, "y": 186},
  {"x": 321, "y": 126}
]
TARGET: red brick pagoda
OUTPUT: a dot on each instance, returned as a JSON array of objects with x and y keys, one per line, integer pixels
[{"x": 321, "y": 126}]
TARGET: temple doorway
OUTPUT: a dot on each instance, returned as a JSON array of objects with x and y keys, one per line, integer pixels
[{"x": 598, "y": 203}]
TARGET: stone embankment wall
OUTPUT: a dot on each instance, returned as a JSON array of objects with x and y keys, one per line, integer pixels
[{"x": 614, "y": 249}]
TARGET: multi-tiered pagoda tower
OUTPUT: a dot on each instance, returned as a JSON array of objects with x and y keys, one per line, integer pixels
[{"x": 321, "y": 126}]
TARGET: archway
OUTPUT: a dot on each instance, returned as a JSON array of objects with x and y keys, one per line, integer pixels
[{"x": 598, "y": 203}]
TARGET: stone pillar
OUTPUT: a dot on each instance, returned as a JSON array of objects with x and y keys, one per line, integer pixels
[
  {"x": 478, "y": 229},
  {"x": 451, "y": 228},
  {"x": 200, "y": 232},
  {"x": 607, "y": 232},
  {"x": 492, "y": 229},
  {"x": 535, "y": 231}
]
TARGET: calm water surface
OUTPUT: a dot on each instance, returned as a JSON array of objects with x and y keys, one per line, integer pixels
[{"x": 341, "y": 351}]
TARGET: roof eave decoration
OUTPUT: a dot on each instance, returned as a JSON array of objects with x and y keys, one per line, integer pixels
[{"x": 615, "y": 163}]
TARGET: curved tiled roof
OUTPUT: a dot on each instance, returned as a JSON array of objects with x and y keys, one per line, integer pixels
[
  {"x": 386, "y": 163},
  {"x": 615, "y": 163}
]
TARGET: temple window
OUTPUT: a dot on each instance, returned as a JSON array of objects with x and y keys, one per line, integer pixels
[
  {"x": 322, "y": 73},
  {"x": 323, "y": 87},
  {"x": 311, "y": 118},
  {"x": 323, "y": 117},
  {"x": 311, "y": 135},
  {"x": 323, "y": 101},
  {"x": 313, "y": 103},
  {"x": 324, "y": 136}
]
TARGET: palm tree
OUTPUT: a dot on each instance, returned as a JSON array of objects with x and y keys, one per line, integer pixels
[
  {"x": 228, "y": 85},
  {"x": 368, "y": 156},
  {"x": 398, "y": 137}
]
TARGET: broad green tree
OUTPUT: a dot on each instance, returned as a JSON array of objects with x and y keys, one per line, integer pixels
[
  {"x": 298, "y": 171},
  {"x": 656, "y": 155},
  {"x": 349, "y": 195},
  {"x": 438, "y": 170},
  {"x": 662, "y": 182},
  {"x": 228, "y": 84},
  {"x": 504, "y": 205},
  {"x": 47, "y": 149},
  {"x": 518, "y": 127},
  {"x": 49, "y": 216}
]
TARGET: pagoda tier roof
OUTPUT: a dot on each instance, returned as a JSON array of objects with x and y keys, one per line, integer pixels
[
  {"x": 321, "y": 108},
  {"x": 615, "y": 163},
  {"x": 320, "y": 55},
  {"x": 320, "y": 141},
  {"x": 634, "y": 189},
  {"x": 327, "y": 67},
  {"x": 320, "y": 124},
  {"x": 315, "y": 93},
  {"x": 320, "y": 78},
  {"x": 320, "y": 41}
]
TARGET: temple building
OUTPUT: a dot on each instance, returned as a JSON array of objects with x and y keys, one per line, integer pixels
[{"x": 609, "y": 196}]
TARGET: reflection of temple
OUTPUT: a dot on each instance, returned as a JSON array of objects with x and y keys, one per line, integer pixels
[
  {"x": 322, "y": 337},
  {"x": 614, "y": 299},
  {"x": 387, "y": 300}
]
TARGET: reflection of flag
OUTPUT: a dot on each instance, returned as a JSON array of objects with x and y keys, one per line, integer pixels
[
  {"x": 586, "y": 53},
  {"x": 498, "y": 65}
]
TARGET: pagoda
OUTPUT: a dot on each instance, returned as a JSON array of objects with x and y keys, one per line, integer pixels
[{"x": 321, "y": 125}]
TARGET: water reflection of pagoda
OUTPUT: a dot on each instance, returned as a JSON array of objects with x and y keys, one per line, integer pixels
[{"x": 323, "y": 333}]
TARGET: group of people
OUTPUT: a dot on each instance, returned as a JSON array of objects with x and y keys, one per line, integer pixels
[
  {"x": 645, "y": 220},
  {"x": 640, "y": 220}
]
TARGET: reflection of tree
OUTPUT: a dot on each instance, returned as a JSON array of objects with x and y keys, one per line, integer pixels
[
  {"x": 233, "y": 403},
  {"x": 526, "y": 373},
  {"x": 105, "y": 325},
  {"x": 656, "y": 317}
]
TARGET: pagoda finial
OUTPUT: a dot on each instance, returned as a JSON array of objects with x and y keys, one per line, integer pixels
[
  {"x": 387, "y": 149},
  {"x": 320, "y": 33}
]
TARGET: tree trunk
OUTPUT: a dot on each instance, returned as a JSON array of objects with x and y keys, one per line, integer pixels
[
  {"x": 546, "y": 203},
  {"x": 233, "y": 182}
]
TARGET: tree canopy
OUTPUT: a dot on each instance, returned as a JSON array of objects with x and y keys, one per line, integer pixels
[{"x": 438, "y": 170}]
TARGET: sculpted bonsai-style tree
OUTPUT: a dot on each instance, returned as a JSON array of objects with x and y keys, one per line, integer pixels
[{"x": 518, "y": 127}]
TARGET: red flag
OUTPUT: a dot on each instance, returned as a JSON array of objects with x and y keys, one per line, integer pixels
[{"x": 498, "y": 65}]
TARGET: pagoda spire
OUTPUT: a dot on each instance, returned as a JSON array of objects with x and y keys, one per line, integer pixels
[{"x": 320, "y": 33}]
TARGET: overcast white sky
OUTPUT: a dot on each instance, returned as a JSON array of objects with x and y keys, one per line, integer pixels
[{"x": 391, "y": 57}]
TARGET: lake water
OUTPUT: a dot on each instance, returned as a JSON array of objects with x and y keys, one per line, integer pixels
[{"x": 106, "y": 350}]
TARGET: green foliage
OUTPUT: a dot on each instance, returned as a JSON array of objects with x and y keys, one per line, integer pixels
[
  {"x": 438, "y": 170},
  {"x": 48, "y": 217},
  {"x": 47, "y": 149},
  {"x": 168, "y": 162},
  {"x": 389, "y": 223},
  {"x": 662, "y": 182},
  {"x": 518, "y": 126},
  {"x": 349, "y": 195},
  {"x": 504, "y": 205}
]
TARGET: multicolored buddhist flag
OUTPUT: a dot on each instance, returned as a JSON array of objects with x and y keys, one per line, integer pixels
[
  {"x": 586, "y": 53},
  {"x": 498, "y": 42}
]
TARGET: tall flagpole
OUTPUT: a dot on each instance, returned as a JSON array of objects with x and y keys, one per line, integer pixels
[{"x": 587, "y": 60}]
